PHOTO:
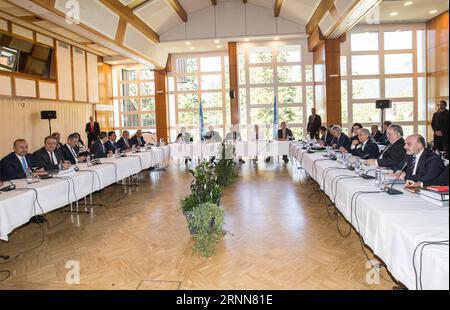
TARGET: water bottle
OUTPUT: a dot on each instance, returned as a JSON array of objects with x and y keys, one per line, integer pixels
[
  {"x": 377, "y": 177},
  {"x": 88, "y": 161},
  {"x": 29, "y": 176},
  {"x": 116, "y": 153},
  {"x": 358, "y": 167},
  {"x": 133, "y": 149}
]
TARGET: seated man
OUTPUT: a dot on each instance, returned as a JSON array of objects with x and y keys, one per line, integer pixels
[
  {"x": 70, "y": 150},
  {"x": 183, "y": 136},
  {"x": 441, "y": 180},
  {"x": 16, "y": 164},
  {"x": 255, "y": 135},
  {"x": 124, "y": 143},
  {"x": 340, "y": 139},
  {"x": 326, "y": 135},
  {"x": 57, "y": 136},
  {"x": 377, "y": 136},
  {"x": 423, "y": 165},
  {"x": 285, "y": 134},
  {"x": 364, "y": 147},
  {"x": 212, "y": 135},
  {"x": 234, "y": 135},
  {"x": 111, "y": 144},
  {"x": 49, "y": 157},
  {"x": 98, "y": 148},
  {"x": 138, "y": 139},
  {"x": 394, "y": 154}
]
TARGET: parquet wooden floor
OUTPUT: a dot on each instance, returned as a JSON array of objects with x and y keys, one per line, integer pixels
[{"x": 276, "y": 239}]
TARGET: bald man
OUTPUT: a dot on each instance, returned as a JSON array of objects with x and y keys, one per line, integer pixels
[{"x": 423, "y": 165}]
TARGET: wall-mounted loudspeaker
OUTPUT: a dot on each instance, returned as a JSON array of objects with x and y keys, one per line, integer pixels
[
  {"x": 232, "y": 94},
  {"x": 383, "y": 104},
  {"x": 48, "y": 114}
]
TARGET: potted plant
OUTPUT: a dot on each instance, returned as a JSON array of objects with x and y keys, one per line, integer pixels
[{"x": 226, "y": 169}]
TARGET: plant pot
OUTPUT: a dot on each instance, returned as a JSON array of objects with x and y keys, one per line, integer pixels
[{"x": 193, "y": 230}]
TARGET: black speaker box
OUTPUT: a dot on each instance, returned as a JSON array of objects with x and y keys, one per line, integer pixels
[
  {"x": 48, "y": 114},
  {"x": 383, "y": 104}
]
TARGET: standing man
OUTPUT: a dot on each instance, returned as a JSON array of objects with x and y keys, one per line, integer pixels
[
  {"x": 440, "y": 127},
  {"x": 92, "y": 131},
  {"x": 314, "y": 123}
]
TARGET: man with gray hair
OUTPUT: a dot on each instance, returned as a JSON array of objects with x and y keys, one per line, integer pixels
[
  {"x": 423, "y": 165},
  {"x": 183, "y": 136},
  {"x": 366, "y": 148},
  {"x": 340, "y": 139},
  {"x": 393, "y": 155}
]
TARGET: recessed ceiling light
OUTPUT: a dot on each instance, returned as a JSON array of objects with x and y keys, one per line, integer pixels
[
  {"x": 276, "y": 38},
  {"x": 216, "y": 41},
  {"x": 246, "y": 40},
  {"x": 219, "y": 46},
  {"x": 433, "y": 11},
  {"x": 408, "y": 3},
  {"x": 188, "y": 43},
  {"x": 192, "y": 48},
  {"x": 394, "y": 14}
]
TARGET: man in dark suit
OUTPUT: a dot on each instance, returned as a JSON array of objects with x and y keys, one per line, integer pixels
[
  {"x": 440, "y": 128},
  {"x": 70, "y": 150},
  {"x": 15, "y": 165},
  {"x": 384, "y": 138},
  {"x": 423, "y": 165},
  {"x": 340, "y": 139},
  {"x": 364, "y": 147},
  {"x": 441, "y": 180},
  {"x": 394, "y": 154},
  {"x": 124, "y": 143},
  {"x": 111, "y": 144},
  {"x": 314, "y": 123},
  {"x": 92, "y": 130},
  {"x": 57, "y": 136},
  {"x": 285, "y": 134},
  {"x": 98, "y": 148},
  {"x": 327, "y": 136},
  {"x": 138, "y": 139},
  {"x": 49, "y": 157},
  {"x": 377, "y": 136}
]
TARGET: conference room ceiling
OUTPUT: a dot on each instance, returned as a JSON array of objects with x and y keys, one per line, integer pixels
[
  {"x": 395, "y": 11},
  {"x": 161, "y": 16}
]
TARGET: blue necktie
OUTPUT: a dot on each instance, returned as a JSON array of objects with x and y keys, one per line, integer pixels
[{"x": 24, "y": 165}]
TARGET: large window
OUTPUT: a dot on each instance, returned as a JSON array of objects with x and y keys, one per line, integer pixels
[
  {"x": 194, "y": 79},
  {"x": 283, "y": 70},
  {"x": 134, "y": 98},
  {"x": 384, "y": 61}
]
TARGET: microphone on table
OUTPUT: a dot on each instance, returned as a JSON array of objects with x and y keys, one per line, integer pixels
[
  {"x": 391, "y": 190},
  {"x": 8, "y": 188}
]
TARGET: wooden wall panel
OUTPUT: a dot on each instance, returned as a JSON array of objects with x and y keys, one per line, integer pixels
[
  {"x": 234, "y": 83},
  {"x": 47, "y": 90},
  {"x": 23, "y": 115},
  {"x": 92, "y": 77},
  {"x": 64, "y": 71},
  {"x": 437, "y": 64},
  {"x": 162, "y": 111},
  {"x": 25, "y": 87},
  {"x": 105, "y": 119},
  {"x": 5, "y": 85},
  {"x": 105, "y": 84},
  {"x": 79, "y": 74}
]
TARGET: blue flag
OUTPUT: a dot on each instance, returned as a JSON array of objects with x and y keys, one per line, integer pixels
[
  {"x": 275, "y": 119},
  {"x": 202, "y": 127}
]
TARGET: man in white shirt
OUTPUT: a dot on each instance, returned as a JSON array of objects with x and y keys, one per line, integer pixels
[
  {"x": 256, "y": 134},
  {"x": 49, "y": 157},
  {"x": 183, "y": 136},
  {"x": 212, "y": 135}
]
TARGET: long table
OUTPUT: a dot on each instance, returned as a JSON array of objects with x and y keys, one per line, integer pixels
[
  {"x": 394, "y": 227},
  {"x": 19, "y": 206},
  {"x": 242, "y": 148}
]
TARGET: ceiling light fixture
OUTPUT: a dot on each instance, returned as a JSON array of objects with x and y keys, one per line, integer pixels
[
  {"x": 394, "y": 14},
  {"x": 433, "y": 11},
  {"x": 246, "y": 39},
  {"x": 219, "y": 46},
  {"x": 407, "y": 3},
  {"x": 276, "y": 38},
  {"x": 216, "y": 41},
  {"x": 192, "y": 48},
  {"x": 188, "y": 43}
]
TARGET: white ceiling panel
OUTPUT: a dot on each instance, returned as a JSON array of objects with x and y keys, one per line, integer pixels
[{"x": 158, "y": 15}]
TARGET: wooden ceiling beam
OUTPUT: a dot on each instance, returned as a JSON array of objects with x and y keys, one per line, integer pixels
[
  {"x": 178, "y": 8},
  {"x": 277, "y": 8},
  {"x": 214, "y": 2}
]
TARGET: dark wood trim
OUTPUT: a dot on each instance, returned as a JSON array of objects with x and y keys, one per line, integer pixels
[{"x": 178, "y": 8}]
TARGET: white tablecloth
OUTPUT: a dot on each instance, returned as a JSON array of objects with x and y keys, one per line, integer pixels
[
  {"x": 17, "y": 207},
  {"x": 392, "y": 226},
  {"x": 242, "y": 148}
]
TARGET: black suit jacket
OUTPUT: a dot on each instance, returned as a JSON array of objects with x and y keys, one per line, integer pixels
[
  {"x": 343, "y": 140},
  {"x": 96, "y": 130},
  {"x": 121, "y": 144},
  {"x": 429, "y": 167},
  {"x": 314, "y": 125},
  {"x": 371, "y": 150},
  {"x": 98, "y": 151},
  {"x": 110, "y": 146},
  {"x": 378, "y": 136},
  {"x": 11, "y": 168},
  {"x": 441, "y": 180},
  {"x": 327, "y": 138},
  {"x": 440, "y": 122},
  {"x": 289, "y": 134},
  {"x": 384, "y": 139},
  {"x": 44, "y": 161},
  {"x": 134, "y": 141},
  {"x": 67, "y": 154},
  {"x": 393, "y": 156}
]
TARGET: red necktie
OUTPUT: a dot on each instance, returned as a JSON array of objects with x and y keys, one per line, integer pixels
[{"x": 92, "y": 127}]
